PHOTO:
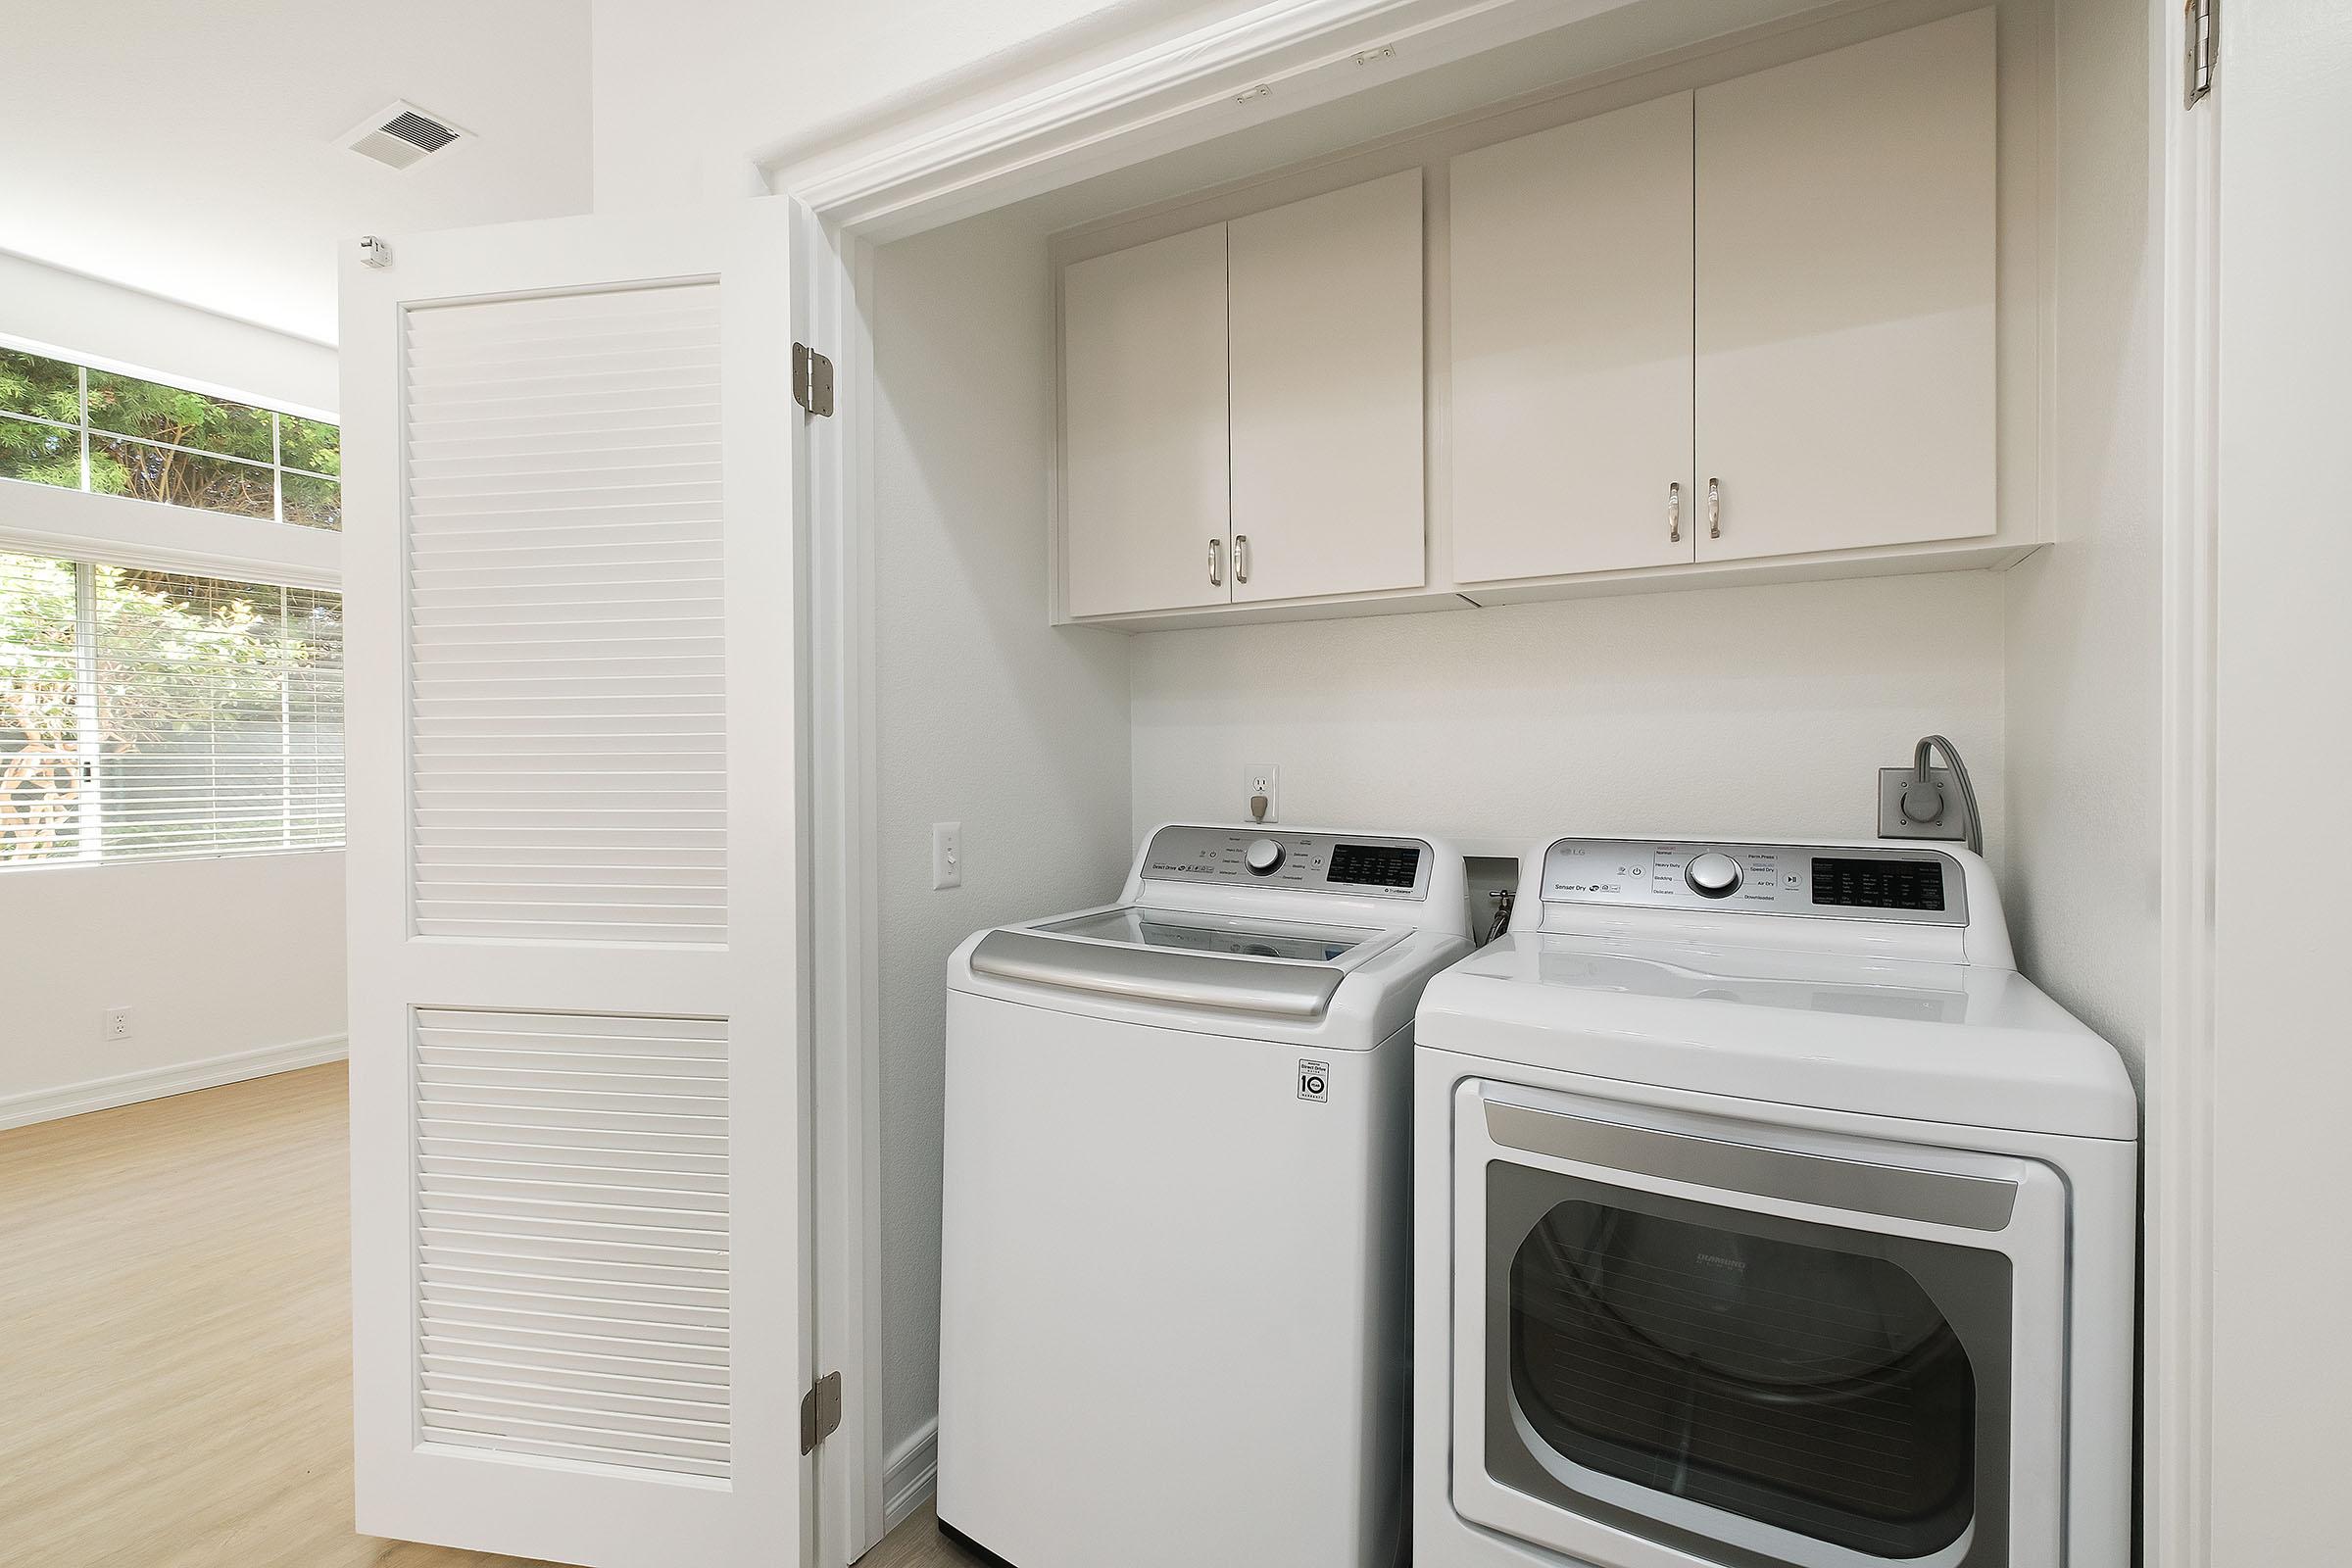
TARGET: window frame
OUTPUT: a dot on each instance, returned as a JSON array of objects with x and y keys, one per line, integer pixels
[
  {"x": 95, "y": 529},
  {"x": 80, "y": 524},
  {"x": 90, "y": 825},
  {"x": 276, "y": 467}
]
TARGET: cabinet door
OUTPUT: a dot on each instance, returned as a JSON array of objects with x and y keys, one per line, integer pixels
[
  {"x": 1571, "y": 357},
  {"x": 1327, "y": 425},
  {"x": 1845, "y": 296},
  {"x": 1144, "y": 476}
]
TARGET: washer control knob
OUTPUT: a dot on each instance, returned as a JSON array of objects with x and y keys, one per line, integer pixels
[
  {"x": 1712, "y": 875},
  {"x": 1263, "y": 857}
]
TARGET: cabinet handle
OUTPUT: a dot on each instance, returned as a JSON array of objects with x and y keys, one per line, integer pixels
[
  {"x": 1241, "y": 557},
  {"x": 1217, "y": 562},
  {"x": 1674, "y": 513},
  {"x": 1714, "y": 508}
]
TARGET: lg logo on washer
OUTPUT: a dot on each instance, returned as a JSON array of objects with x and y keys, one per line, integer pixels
[{"x": 1314, "y": 1081}]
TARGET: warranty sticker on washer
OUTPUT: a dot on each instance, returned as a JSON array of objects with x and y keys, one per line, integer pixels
[{"x": 1314, "y": 1081}]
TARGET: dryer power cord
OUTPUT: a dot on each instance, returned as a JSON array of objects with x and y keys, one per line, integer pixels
[{"x": 1920, "y": 780}]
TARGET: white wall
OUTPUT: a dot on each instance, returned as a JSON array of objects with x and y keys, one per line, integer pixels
[
  {"x": 2080, "y": 864},
  {"x": 1756, "y": 712},
  {"x": 987, "y": 715},
  {"x": 2282, "y": 1067},
  {"x": 685, "y": 91},
  {"x": 194, "y": 150},
  {"x": 48, "y": 308},
  {"x": 217, "y": 959}
]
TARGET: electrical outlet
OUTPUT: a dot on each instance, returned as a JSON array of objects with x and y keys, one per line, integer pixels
[
  {"x": 118, "y": 1023},
  {"x": 947, "y": 854},
  {"x": 1261, "y": 781}
]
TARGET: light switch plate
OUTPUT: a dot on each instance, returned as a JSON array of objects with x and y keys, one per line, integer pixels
[
  {"x": 947, "y": 854},
  {"x": 1262, "y": 778},
  {"x": 1894, "y": 824}
]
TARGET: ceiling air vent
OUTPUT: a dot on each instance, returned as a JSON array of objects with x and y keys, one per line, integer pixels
[{"x": 401, "y": 135}]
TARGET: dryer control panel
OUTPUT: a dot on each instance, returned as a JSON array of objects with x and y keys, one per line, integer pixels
[
  {"x": 1915, "y": 886},
  {"x": 1360, "y": 865}
]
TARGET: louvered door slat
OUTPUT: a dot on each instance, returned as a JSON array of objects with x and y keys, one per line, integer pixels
[
  {"x": 540, "y": 1205},
  {"x": 567, "y": 585}
]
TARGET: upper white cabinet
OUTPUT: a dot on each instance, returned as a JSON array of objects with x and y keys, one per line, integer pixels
[
  {"x": 1144, "y": 473},
  {"x": 1745, "y": 328},
  {"x": 1845, "y": 296},
  {"x": 1327, "y": 378},
  {"x": 1572, "y": 348},
  {"x": 1244, "y": 408}
]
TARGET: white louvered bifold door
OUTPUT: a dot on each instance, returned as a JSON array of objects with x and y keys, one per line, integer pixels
[{"x": 577, "y": 1130}]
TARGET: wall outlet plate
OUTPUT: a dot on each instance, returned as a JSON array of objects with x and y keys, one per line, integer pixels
[
  {"x": 947, "y": 854},
  {"x": 1894, "y": 824},
  {"x": 118, "y": 1023},
  {"x": 1261, "y": 780}
]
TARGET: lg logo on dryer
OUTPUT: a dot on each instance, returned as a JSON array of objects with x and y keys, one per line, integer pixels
[{"x": 1314, "y": 1081}]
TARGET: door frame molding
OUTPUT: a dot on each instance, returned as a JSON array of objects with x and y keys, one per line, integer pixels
[
  {"x": 2178, "y": 1186},
  {"x": 946, "y": 155},
  {"x": 956, "y": 151}
]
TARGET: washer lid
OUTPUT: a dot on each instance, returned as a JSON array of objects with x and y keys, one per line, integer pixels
[
  {"x": 1278, "y": 968},
  {"x": 1923, "y": 1042}
]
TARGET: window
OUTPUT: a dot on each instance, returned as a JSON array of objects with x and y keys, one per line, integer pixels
[
  {"x": 147, "y": 715},
  {"x": 83, "y": 429}
]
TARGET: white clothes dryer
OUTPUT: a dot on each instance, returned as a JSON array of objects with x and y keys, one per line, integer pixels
[
  {"x": 1175, "y": 1260},
  {"x": 1766, "y": 1218}
]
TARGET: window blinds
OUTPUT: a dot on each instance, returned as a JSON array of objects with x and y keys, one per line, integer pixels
[{"x": 152, "y": 714}]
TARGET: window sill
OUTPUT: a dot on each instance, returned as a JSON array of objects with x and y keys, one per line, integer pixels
[
  {"x": 68, "y": 864},
  {"x": 42, "y": 519}
]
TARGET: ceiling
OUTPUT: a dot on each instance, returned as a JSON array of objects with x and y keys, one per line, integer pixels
[{"x": 190, "y": 150}]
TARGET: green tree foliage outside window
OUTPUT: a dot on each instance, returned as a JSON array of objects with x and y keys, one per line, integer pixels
[{"x": 164, "y": 443}]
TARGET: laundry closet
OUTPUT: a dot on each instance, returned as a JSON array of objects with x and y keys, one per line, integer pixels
[{"x": 1561, "y": 435}]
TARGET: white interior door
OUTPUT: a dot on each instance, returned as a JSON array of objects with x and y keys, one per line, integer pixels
[
  {"x": 1571, "y": 382},
  {"x": 575, "y": 1011},
  {"x": 1846, "y": 297},
  {"x": 1326, "y": 391}
]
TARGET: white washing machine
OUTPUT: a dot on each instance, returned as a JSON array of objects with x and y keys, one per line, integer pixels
[
  {"x": 1175, "y": 1271},
  {"x": 1767, "y": 1218}
]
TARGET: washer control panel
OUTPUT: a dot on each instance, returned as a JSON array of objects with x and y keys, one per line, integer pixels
[
  {"x": 1917, "y": 886},
  {"x": 1361, "y": 865}
]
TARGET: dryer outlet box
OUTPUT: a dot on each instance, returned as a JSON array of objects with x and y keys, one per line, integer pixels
[{"x": 1950, "y": 823}]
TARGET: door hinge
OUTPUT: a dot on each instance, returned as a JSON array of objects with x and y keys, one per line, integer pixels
[
  {"x": 811, "y": 379},
  {"x": 821, "y": 1411},
  {"x": 2201, "y": 48}
]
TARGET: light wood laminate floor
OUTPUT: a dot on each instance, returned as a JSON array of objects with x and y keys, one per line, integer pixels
[
  {"x": 917, "y": 1544},
  {"x": 175, "y": 1342},
  {"x": 175, "y": 1336}
]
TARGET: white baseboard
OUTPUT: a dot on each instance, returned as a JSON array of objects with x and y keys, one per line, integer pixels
[
  {"x": 910, "y": 1474},
  {"x": 154, "y": 1083}
]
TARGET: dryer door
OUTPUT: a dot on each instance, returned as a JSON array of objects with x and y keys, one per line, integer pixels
[{"x": 1686, "y": 1337}]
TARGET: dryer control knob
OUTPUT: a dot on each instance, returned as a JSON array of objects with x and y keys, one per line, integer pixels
[
  {"x": 1263, "y": 857},
  {"x": 1712, "y": 875}
]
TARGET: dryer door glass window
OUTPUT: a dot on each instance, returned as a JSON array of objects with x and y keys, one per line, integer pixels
[{"x": 1700, "y": 1369}]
